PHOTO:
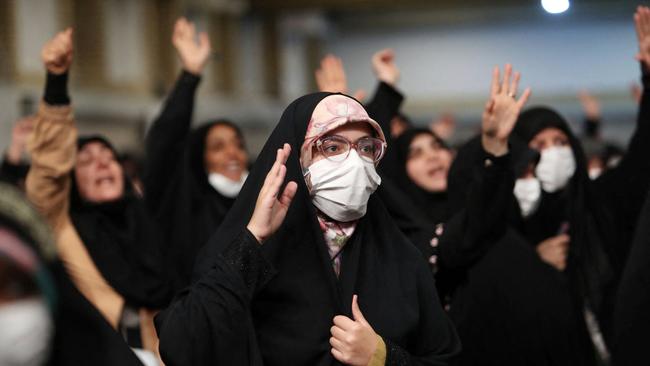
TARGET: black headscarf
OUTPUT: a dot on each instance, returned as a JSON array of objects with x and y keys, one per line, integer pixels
[
  {"x": 196, "y": 162},
  {"x": 123, "y": 241},
  {"x": 293, "y": 313},
  {"x": 588, "y": 266},
  {"x": 433, "y": 205}
]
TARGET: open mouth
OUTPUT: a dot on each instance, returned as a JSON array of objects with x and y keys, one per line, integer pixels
[
  {"x": 437, "y": 172},
  {"x": 104, "y": 181},
  {"x": 233, "y": 166}
]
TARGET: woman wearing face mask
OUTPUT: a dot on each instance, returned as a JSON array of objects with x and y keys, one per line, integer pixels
[
  {"x": 44, "y": 319},
  {"x": 105, "y": 237},
  {"x": 544, "y": 292},
  {"x": 192, "y": 177},
  {"x": 314, "y": 273}
]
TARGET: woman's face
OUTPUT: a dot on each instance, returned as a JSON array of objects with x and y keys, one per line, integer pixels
[
  {"x": 549, "y": 137},
  {"x": 224, "y": 152},
  {"x": 428, "y": 163},
  {"x": 98, "y": 175}
]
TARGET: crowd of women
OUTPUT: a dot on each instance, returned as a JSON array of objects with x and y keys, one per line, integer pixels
[{"x": 354, "y": 238}]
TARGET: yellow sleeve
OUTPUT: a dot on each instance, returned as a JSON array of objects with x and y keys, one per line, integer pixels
[
  {"x": 53, "y": 149},
  {"x": 379, "y": 357}
]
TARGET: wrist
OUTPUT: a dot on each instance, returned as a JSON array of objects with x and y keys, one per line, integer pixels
[
  {"x": 494, "y": 146},
  {"x": 194, "y": 70},
  {"x": 251, "y": 228}
]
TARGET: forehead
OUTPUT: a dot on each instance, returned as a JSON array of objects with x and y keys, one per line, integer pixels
[
  {"x": 94, "y": 147},
  {"x": 222, "y": 131},
  {"x": 550, "y": 133},
  {"x": 422, "y": 139}
]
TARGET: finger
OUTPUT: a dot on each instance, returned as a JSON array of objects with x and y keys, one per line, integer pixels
[
  {"x": 283, "y": 154},
  {"x": 344, "y": 322},
  {"x": 637, "y": 26},
  {"x": 645, "y": 20},
  {"x": 272, "y": 173},
  {"x": 506, "y": 79},
  {"x": 489, "y": 106},
  {"x": 387, "y": 55},
  {"x": 524, "y": 98},
  {"x": 204, "y": 41},
  {"x": 338, "y": 355},
  {"x": 356, "y": 311},
  {"x": 494, "y": 87},
  {"x": 288, "y": 193},
  {"x": 338, "y": 345},
  {"x": 515, "y": 84},
  {"x": 337, "y": 332}
]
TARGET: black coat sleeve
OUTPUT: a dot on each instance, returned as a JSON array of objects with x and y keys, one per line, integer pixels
[
  {"x": 210, "y": 322},
  {"x": 385, "y": 104},
  {"x": 481, "y": 196},
  {"x": 166, "y": 138}
]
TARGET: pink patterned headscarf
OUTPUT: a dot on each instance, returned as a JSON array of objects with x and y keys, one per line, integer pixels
[{"x": 332, "y": 112}]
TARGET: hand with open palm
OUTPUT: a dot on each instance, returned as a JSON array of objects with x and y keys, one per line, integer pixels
[
  {"x": 501, "y": 111},
  {"x": 271, "y": 206}
]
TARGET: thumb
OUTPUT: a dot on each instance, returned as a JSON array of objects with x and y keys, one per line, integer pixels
[{"x": 356, "y": 312}]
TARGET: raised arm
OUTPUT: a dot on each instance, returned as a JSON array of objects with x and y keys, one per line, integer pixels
[
  {"x": 215, "y": 310},
  {"x": 166, "y": 138},
  {"x": 53, "y": 142},
  {"x": 624, "y": 187},
  {"x": 481, "y": 178}
]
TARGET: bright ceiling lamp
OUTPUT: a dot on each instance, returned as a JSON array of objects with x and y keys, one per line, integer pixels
[{"x": 555, "y": 6}]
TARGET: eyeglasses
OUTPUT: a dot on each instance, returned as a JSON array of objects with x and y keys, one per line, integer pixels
[{"x": 337, "y": 148}]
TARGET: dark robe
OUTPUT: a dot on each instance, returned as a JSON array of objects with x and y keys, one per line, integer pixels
[
  {"x": 508, "y": 306},
  {"x": 631, "y": 316},
  {"x": 275, "y": 303},
  {"x": 514, "y": 308},
  {"x": 176, "y": 185}
]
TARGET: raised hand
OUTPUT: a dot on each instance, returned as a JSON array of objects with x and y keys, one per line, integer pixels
[
  {"x": 383, "y": 64},
  {"x": 330, "y": 77},
  {"x": 642, "y": 25},
  {"x": 271, "y": 208},
  {"x": 194, "y": 55},
  {"x": 501, "y": 111},
  {"x": 554, "y": 251},
  {"x": 590, "y": 105},
  {"x": 353, "y": 341},
  {"x": 19, "y": 136},
  {"x": 57, "y": 53}
]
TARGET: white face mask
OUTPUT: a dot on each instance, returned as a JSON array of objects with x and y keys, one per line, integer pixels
[
  {"x": 25, "y": 333},
  {"x": 555, "y": 168},
  {"x": 341, "y": 189},
  {"x": 529, "y": 193},
  {"x": 224, "y": 185}
]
